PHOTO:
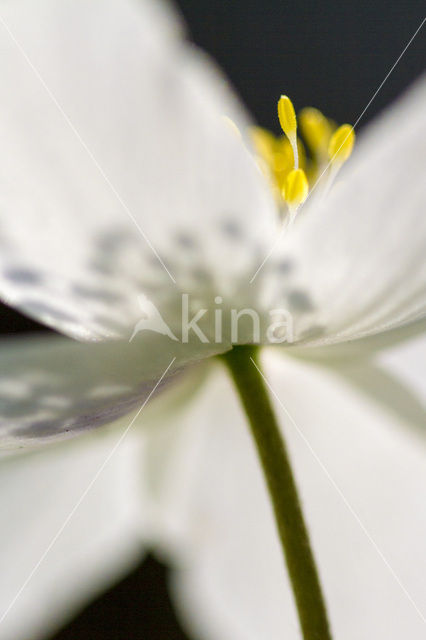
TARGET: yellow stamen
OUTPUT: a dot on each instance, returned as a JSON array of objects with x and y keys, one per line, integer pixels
[
  {"x": 287, "y": 116},
  {"x": 316, "y": 130},
  {"x": 296, "y": 189},
  {"x": 341, "y": 144},
  {"x": 264, "y": 143},
  {"x": 283, "y": 159},
  {"x": 288, "y": 122}
]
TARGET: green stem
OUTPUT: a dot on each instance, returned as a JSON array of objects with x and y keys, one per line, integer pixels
[{"x": 279, "y": 478}]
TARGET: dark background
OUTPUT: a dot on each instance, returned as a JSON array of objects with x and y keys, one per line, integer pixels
[{"x": 330, "y": 55}]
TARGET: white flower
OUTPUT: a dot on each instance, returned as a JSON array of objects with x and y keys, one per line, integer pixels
[{"x": 120, "y": 176}]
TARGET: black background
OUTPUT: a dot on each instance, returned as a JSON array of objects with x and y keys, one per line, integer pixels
[{"x": 332, "y": 55}]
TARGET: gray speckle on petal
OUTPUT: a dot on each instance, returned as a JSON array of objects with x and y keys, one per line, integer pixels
[
  {"x": 232, "y": 229},
  {"x": 299, "y": 301},
  {"x": 283, "y": 267},
  {"x": 22, "y": 276},
  {"x": 41, "y": 309},
  {"x": 185, "y": 241},
  {"x": 96, "y": 293}
]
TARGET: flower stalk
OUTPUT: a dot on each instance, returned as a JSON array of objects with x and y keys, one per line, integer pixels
[{"x": 282, "y": 489}]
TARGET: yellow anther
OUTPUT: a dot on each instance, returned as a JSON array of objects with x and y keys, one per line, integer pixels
[
  {"x": 288, "y": 122},
  {"x": 296, "y": 188},
  {"x": 283, "y": 156},
  {"x": 287, "y": 116},
  {"x": 316, "y": 130},
  {"x": 264, "y": 143},
  {"x": 341, "y": 144}
]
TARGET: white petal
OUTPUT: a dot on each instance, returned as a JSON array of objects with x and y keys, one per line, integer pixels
[
  {"x": 114, "y": 147},
  {"x": 362, "y": 251},
  {"x": 395, "y": 379},
  {"x": 52, "y": 388},
  {"x": 363, "y": 347},
  {"x": 98, "y": 544},
  {"x": 407, "y": 362},
  {"x": 231, "y": 582}
]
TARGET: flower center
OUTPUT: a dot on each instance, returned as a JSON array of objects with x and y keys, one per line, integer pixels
[{"x": 292, "y": 171}]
